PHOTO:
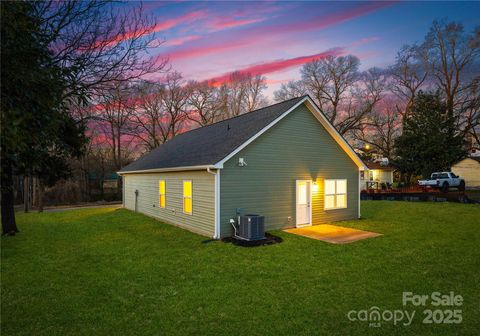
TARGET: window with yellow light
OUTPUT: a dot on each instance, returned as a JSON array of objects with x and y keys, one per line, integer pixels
[
  {"x": 161, "y": 193},
  {"x": 335, "y": 194},
  {"x": 187, "y": 197}
]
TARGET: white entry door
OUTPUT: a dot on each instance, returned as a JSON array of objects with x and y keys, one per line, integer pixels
[{"x": 304, "y": 200}]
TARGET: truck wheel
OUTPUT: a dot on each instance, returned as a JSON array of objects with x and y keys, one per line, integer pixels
[
  {"x": 445, "y": 187},
  {"x": 461, "y": 187}
]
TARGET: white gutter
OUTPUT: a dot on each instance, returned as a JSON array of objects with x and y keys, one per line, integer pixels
[
  {"x": 359, "y": 195},
  {"x": 217, "y": 202},
  {"x": 160, "y": 170}
]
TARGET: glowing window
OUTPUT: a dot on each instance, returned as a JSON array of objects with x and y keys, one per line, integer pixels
[
  {"x": 161, "y": 193},
  {"x": 187, "y": 197},
  {"x": 329, "y": 187},
  {"x": 335, "y": 194}
]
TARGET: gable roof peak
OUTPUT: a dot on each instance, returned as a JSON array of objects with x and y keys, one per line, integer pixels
[{"x": 208, "y": 145}]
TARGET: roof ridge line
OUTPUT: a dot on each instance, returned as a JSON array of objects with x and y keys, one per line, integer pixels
[{"x": 240, "y": 115}]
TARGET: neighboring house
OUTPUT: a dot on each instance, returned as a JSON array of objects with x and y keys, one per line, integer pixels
[
  {"x": 105, "y": 180},
  {"x": 469, "y": 170},
  {"x": 377, "y": 173},
  {"x": 285, "y": 162}
]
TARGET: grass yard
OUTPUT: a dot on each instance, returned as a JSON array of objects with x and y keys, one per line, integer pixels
[{"x": 109, "y": 271}]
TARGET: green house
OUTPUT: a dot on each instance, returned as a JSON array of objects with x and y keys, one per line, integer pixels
[{"x": 285, "y": 162}]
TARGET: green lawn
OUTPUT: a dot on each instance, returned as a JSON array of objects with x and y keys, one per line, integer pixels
[{"x": 112, "y": 272}]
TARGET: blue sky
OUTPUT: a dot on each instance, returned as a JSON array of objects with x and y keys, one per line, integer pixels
[{"x": 205, "y": 40}]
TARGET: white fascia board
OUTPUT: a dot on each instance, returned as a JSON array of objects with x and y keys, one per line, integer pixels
[
  {"x": 219, "y": 164},
  {"x": 161, "y": 170},
  {"x": 320, "y": 117}
]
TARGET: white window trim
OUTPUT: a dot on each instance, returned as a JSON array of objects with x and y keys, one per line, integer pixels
[
  {"x": 335, "y": 194},
  {"x": 164, "y": 194},
  {"x": 183, "y": 197}
]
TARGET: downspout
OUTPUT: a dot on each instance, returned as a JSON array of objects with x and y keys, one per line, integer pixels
[
  {"x": 359, "y": 194},
  {"x": 217, "y": 202}
]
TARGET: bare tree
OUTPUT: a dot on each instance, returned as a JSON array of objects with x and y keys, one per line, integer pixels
[
  {"x": 236, "y": 89},
  {"x": 206, "y": 102},
  {"x": 361, "y": 101},
  {"x": 244, "y": 93},
  {"x": 381, "y": 130},
  {"x": 254, "y": 98},
  {"x": 160, "y": 110},
  {"x": 328, "y": 81},
  {"x": 113, "y": 115},
  {"x": 149, "y": 118},
  {"x": 98, "y": 43},
  {"x": 174, "y": 101},
  {"x": 451, "y": 55},
  {"x": 290, "y": 90},
  {"x": 469, "y": 120},
  {"x": 345, "y": 95},
  {"x": 408, "y": 75}
]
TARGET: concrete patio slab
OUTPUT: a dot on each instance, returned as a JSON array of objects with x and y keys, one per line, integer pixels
[{"x": 332, "y": 233}]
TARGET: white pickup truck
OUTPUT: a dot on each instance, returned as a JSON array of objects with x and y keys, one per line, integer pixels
[{"x": 443, "y": 181}]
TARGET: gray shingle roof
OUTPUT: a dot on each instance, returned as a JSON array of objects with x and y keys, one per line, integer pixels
[{"x": 210, "y": 144}]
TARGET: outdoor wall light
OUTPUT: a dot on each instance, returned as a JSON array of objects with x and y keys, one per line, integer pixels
[{"x": 242, "y": 162}]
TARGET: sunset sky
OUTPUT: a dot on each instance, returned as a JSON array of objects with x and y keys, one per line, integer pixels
[{"x": 206, "y": 40}]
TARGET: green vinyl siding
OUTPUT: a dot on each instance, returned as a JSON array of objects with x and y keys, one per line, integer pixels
[
  {"x": 297, "y": 148},
  {"x": 202, "y": 219}
]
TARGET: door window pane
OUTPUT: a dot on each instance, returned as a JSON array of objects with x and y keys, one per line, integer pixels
[{"x": 302, "y": 193}]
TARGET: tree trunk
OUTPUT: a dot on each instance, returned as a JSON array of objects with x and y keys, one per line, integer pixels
[
  {"x": 35, "y": 192},
  {"x": 41, "y": 191},
  {"x": 26, "y": 193},
  {"x": 102, "y": 186},
  {"x": 9, "y": 226}
]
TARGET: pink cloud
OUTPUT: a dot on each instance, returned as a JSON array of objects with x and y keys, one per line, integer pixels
[
  {"x": 181, "y": 40},
  {"x": 259, "y": 34},
  {"x": 232, "y": 23},
  {"x": 161, "y": 26},
  {"x": 278, "y": 81},
  {"x": 334, "y": 18},
  {"x": 276, "y": 65},
  {"x": 205, "y": 50},
  {"x": 364, "y": 41}
]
